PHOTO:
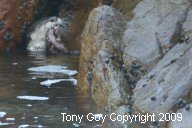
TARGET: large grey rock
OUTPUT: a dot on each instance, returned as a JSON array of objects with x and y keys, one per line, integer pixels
[
  {"x": 149, "y": 35},
  {"x": 100, "y": 59},
  {"x": 169, "y": 80},
  {"x": 185, "y": 121}
]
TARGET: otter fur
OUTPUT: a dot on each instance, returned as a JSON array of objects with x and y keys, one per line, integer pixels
[{"x": 53, "y": 40}]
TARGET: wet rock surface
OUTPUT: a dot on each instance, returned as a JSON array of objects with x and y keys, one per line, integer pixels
[
  {"x": 150, "y": 33},
  {"x": 152, "y": 53},
  {"x": 169, "y": 80},
  {"x": 100, "y": 58},
  {"x": 186, "y": 114},
  {"x": 12, "y": 24}
]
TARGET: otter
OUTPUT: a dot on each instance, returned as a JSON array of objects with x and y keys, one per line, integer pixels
[
  {"x": 37, "y": 43},
  {"x": 53, "y": 40},
  {"x": 46, "y": 36}
]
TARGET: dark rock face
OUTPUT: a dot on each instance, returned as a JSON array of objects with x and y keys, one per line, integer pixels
[
  {"x": 108, "y": 2},
  {"x": 13, "y": 23}
]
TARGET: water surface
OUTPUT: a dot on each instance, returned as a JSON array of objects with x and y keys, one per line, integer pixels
[{"x": 28, "y": 103}]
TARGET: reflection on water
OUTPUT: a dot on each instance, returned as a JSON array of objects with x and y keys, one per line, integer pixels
[{"x": 25, "y": 101}]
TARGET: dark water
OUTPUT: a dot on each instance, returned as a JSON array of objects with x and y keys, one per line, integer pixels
[{"x": 16, "y": 80}]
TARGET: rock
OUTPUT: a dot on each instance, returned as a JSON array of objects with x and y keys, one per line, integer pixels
[
  {"x": 123, "y": 110},
  {"x": 153, "y": 29},
  {"x": 108, "y": 2},
  {"x": 187, "y": 33},
  {"x": 80, "y": 12},
  {"x": 10, "y": 24},
  {"x": 183, "y": 119},
  {"x": 172, "y": 79},
  {"x": 98, "y": 73},
  {"x": 43, "y": 36},
  {"x": 179, "y": 1}
]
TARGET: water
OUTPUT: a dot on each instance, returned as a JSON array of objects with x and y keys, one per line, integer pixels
[{"x": 44, "y": 104}]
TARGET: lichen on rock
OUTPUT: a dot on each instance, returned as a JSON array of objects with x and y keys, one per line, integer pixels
[{"x": 100, "y": 58}]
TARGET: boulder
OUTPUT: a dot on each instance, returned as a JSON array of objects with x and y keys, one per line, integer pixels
[
  {"x": 153, "y": 30},
  {"x": 169, "y": 80},
  {"x": 14, "y": 23},
  {"x": 183, "y": 118},
  {"x": 100, "y": 60}
]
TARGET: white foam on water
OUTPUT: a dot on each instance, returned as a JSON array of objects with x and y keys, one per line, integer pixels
[
  {"x": 2, "y": 114},
  {"x": 53, "y": 69},
  {"x": 40, "y": 126},
  {"x": 35, "y": 117},
  {"x": 23, "y": 126},
  {"x": 10, "y": 119},
  {"x": 76, "y": 125},
  {"x": 34, "y": 126},
  {"x": 29, "y": 105},
  {"x": 23, "y": 118},
  {"x": 4, "y": 124},
  {"x": 49, "y": 82},
  {"x": 32, "y": 98}
]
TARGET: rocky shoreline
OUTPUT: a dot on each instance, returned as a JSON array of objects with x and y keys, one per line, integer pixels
[
  {"x": 131, "y": 61},
  {"x": 142, "y": 64}
]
